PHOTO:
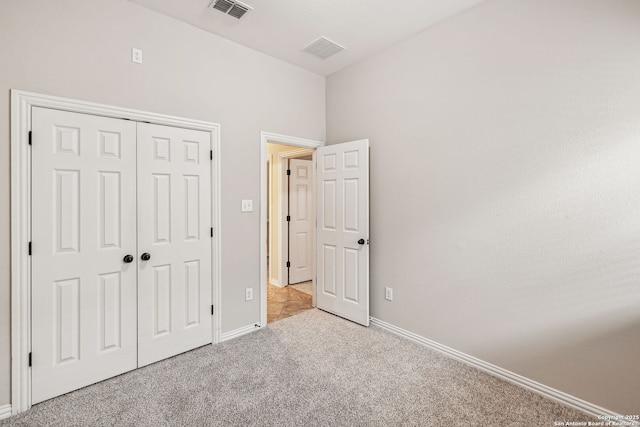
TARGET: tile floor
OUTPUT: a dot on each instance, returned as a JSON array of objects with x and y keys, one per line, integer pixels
[
  {"x": 306, "y": 287},
  {"x": 285, "y": 302}
]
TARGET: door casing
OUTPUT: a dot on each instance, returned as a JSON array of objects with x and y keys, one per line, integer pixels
[{"x": 21, "y": 104}]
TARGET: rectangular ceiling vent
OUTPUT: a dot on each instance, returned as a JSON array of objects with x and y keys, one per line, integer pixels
[
  {"x": 231, "y": 7},
  {"x": 323, "y": 48}
]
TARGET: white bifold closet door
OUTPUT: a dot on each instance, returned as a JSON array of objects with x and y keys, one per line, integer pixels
[
  {"x": 121, "y": 247},
  {"x": 84, "y": 223},
  {"x": 174, "y": 226}
]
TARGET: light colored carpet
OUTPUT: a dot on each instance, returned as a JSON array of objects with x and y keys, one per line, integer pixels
[
  {"x": 313, "y": 369},
  {"x": 306, "y": 287}
]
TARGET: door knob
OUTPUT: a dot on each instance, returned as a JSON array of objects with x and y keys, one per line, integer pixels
[
  {"x": 146, "y": 256},
  {"x": 128, "y": 259},
  {"x": 361, "y": 242}
]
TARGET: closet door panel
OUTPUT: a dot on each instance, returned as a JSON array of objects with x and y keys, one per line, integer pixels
[
  {"x": 83, "y": 224},
  {"x": 174, "y": 222}
]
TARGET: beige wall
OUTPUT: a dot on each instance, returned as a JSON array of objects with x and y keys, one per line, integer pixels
[
  {"x": 505, "y": 188},
  {"x": 82, "y": 49}
]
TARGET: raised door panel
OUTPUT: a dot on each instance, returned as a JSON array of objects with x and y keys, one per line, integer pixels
[
  {"x": 192, "y": 207},
  {"x": 110, "y": 311},
  {"x": 109, "y": 206},
  {"x": 83, "y": 210},
  {"x": 328, "y": 212},
  {"x": 66, "y": 328},
  {"x": 192, "y": 292},
  {"x": 161, "y": 214},
  {"x": 328, "y": 270},
  {"x": 161, "y": 300},
  {"x": 174, "y": 218},
  {"x": 66, "y": 214}
]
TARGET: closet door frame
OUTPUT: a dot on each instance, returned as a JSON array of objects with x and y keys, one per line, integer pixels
[{"x": 21, "y": 105}]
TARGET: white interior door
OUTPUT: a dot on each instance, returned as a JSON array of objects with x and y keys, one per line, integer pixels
[
  {"x": 342, "y": 234},
  {"x": 174, "y": 223},
  {"x": 301, "y": 226},
  {"x": 84, "y": 223}
]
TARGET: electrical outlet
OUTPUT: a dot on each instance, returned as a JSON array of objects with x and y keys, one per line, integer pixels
[
  {"x": 247, "y": 205},
  {"x": 248, "y": 294},
  {"x": 136, "y": 55},
  {"x": 388, "y": 293}
]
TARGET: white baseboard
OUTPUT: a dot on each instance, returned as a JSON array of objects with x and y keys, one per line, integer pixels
[
  {"x": 5, "y": 411},
  {"x": 239, "y": 332},
  {"x": 541, "y": 389},
  {"x": 275, "y": 282}
]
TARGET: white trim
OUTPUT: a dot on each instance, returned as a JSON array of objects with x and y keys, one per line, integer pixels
[
  {"x": 292, "y": 154},
  {"x": 20, "y": 262},
  {"x": 216, "y": 243},
  {"x": 275, "y": 282},
  {"x": 269, "y": 200},
  {"x": 239, "y": 332},
  {"x": 266, "y": 137},
  {"x": 21, "y": 104},
  {"x": 314, "y": 210},
  {"x": 281, "y": 217},
  {"x": 5, "y": 411},
  {"x": 496, "y": 371}
]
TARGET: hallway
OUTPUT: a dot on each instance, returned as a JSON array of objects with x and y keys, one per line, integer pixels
[{"x": 286, "y": 302}]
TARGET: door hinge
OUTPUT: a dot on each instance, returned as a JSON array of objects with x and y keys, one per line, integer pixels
[
  {"x": 29, "y": 248},
  {"x": 288, "y": 264},
  {"x": 30, "y": 137},
  {"x": 288, "y": 217},
  {"x": 211, "y": 231},
  {"x": 288, "y": 171},
  {"x": 210, "y": 154},
  {"x": 29, "y": 358},
  {"x": 212, "y": 310}
]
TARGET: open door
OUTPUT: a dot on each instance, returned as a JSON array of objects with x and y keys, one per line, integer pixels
[{"x": 342, "y": 233}]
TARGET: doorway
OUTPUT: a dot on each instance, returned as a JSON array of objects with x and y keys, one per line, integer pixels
[
  {"x": 276, "y": 248},
  {"x": 291, "y": 229},
  {"x": 342, "y": 229}
]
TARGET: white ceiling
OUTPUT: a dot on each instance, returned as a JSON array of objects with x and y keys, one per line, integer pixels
[{"x": 282, "y": 28}]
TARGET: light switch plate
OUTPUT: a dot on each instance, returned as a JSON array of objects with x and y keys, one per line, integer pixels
[
  {"x": 247, "y": 205},
  {"x": 136, "y": 55}
]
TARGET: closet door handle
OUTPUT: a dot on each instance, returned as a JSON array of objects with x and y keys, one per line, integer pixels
[
  {"x": 146, "y": 256},
  {"x": 128, "y": 259}
]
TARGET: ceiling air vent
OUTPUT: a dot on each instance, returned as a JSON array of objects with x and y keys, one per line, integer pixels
[
  {"x": 323, "y": 48},
  {"x": 231, "y": 7}
]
